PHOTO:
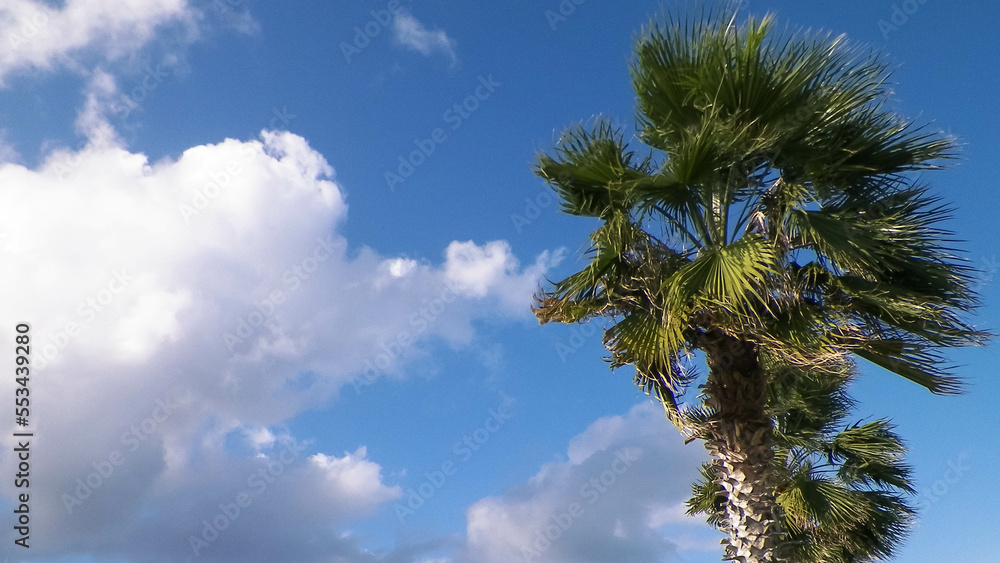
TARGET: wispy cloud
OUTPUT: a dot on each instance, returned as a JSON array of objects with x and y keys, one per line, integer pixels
[
  {"x": 409, "y": 32},
  {"x": 38, "y": 36}
]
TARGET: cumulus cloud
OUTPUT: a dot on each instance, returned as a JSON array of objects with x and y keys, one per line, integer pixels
[
  {"x": 617, "y": 496},
  {"x": 181, "y": 309},
  {"x": 409, "y": 32},
  {"x": 260, "y": 438},
  {"x": 40, "y": 36},
  {"x": 492, "y": 269},
  {"x": 352, "y": 482}
]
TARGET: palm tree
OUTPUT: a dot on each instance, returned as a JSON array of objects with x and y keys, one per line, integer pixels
[
  {"x": 841, "y": 494},
  {"x": 774, "y": 216}
]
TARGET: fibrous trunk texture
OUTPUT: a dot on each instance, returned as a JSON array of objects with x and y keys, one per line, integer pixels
[{"x": 741, "y": 441}]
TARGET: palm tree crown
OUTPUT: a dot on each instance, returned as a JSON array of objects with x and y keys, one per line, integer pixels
[{"x": 774, "y": 216}]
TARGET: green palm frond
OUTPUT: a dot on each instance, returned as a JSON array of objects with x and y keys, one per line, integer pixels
[
  {"x": 589, "y": 169},
  {"x": 870, "y": 454},
  {"x": 729, "y": 279},
  {"x": 911, "y": 360},
  {"x": 644, "y": 340}
]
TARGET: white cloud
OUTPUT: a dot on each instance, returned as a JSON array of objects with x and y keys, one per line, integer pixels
[
  {"x": 352, "y": 482},
  {"x": 38, "y": 36},
  {"x": 614, "y": 499},
  {"x": 260, "y": 438},
  {"x": 409, "y": 32},
  {"x": 221, "y": 274},
  {"x": 492, "y": 269},
  {"x": 399, "y": 267}
]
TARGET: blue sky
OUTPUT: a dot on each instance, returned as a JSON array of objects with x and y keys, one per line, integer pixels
[{"x": 200, "y": 219}]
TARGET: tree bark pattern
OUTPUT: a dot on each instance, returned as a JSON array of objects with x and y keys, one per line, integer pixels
[{"x": 741, "y": 440}]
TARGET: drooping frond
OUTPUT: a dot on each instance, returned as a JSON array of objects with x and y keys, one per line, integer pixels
[
  {"x": 842, "y": 490},
  {"x": 589, "y": 169}
]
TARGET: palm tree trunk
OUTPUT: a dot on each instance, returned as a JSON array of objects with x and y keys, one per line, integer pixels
[{"x": 742, "y": 443}]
